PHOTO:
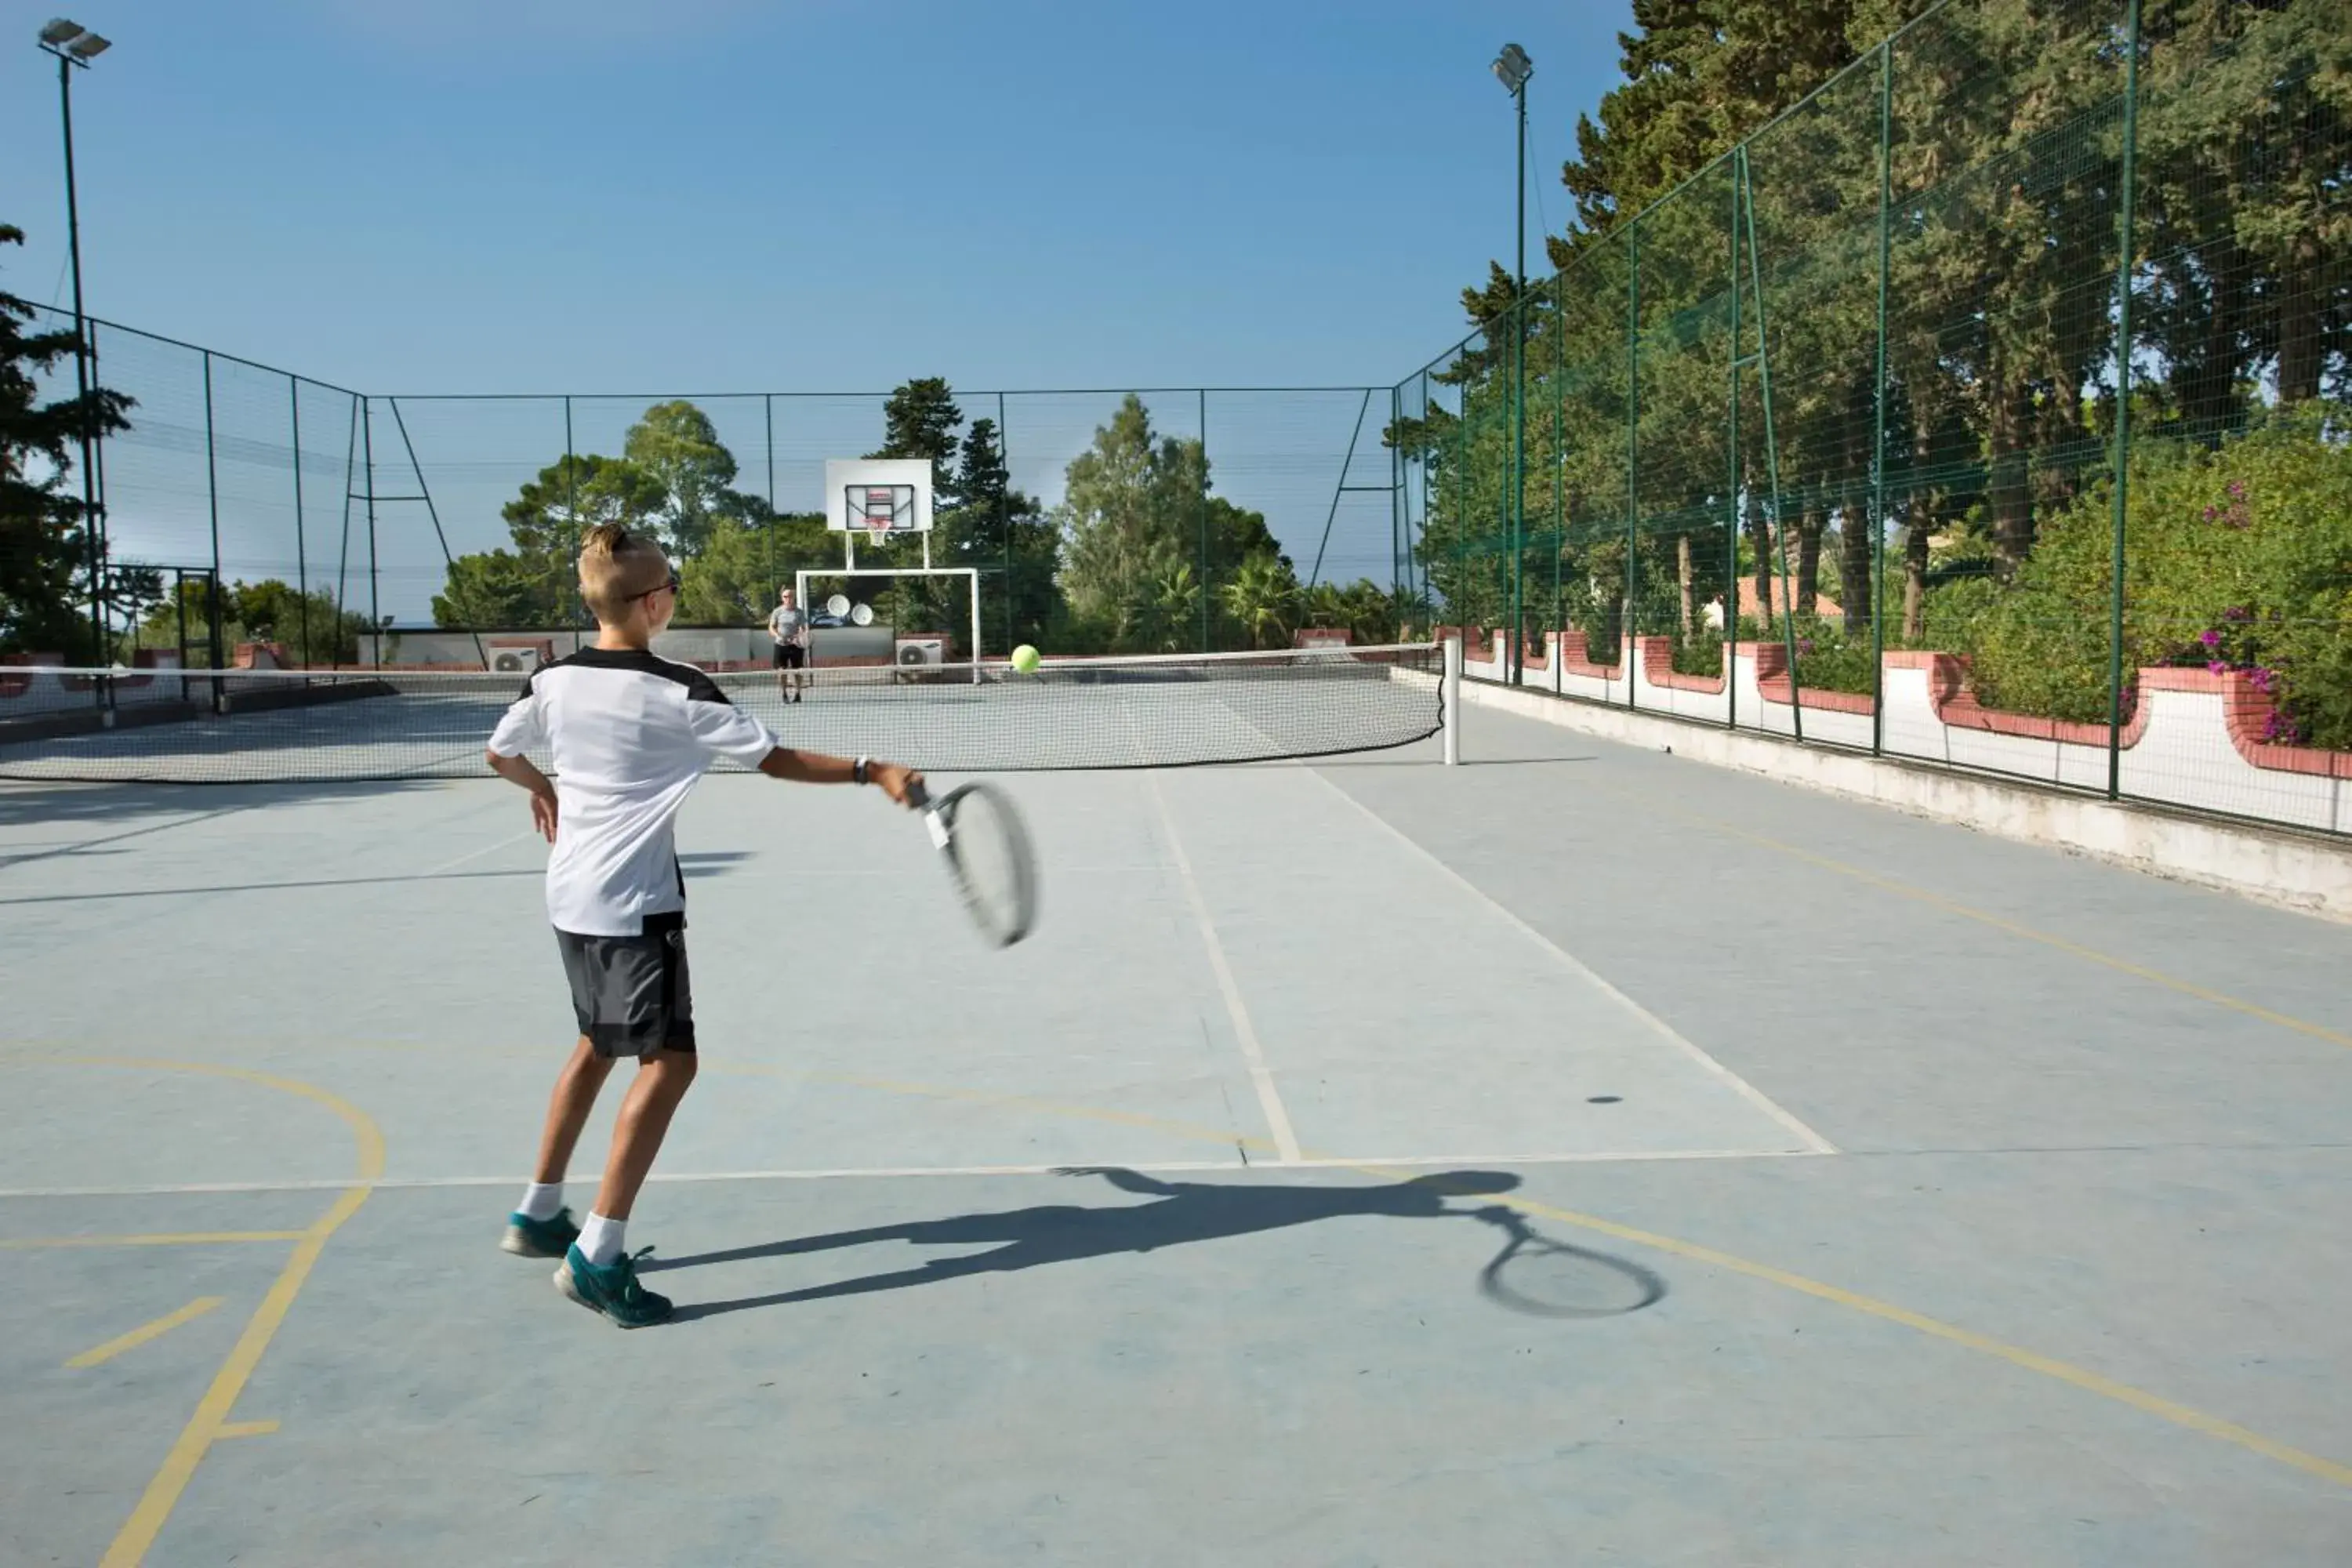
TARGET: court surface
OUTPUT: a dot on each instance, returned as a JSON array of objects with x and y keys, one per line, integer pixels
[{"x": 1581, "y": 1155}]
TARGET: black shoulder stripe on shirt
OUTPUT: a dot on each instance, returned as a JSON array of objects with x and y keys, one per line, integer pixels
[{"x": 639, "y": 661}]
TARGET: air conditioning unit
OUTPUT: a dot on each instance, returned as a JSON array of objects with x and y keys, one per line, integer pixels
[
  {"x": 922, "y": 649},
  {"x": 514, "y": 660}
]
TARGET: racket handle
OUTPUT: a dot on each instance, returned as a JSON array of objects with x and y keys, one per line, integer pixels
[{"x": 916, "y": 796}]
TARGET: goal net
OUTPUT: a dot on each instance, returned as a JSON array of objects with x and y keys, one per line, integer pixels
[{"x": 916, "y": 618}]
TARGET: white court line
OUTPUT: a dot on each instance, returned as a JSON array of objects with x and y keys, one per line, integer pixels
[
  {"x": 894, "y": 1173},
  {"x": 485, "y": 849},
  {"x": 1277, "y": 1119},
  {"x": 1813, "y": 1141}
]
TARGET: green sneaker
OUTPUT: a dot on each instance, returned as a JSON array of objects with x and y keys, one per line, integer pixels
[
  {"x": 612, "y": 1289},
  {"x": 550, "y": 1237}
]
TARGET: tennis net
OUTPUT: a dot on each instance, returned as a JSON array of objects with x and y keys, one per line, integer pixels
[{"x": 171, "y": 726}]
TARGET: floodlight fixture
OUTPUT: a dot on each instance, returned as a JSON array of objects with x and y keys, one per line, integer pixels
[
  {"x": 1512, "y": 68},
  {"x": 75, "y": 47}
]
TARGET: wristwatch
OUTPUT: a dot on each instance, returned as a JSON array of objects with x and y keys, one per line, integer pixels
[{"x": 857, "y": 771}]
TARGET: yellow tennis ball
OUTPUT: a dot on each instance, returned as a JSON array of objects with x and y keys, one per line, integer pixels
[{"x": 1024, "y": 658}]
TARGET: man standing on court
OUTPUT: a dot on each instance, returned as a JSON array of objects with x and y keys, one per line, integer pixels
[
  {"x": 630, "y": 733},
  {"x": 788, "y": 625}
]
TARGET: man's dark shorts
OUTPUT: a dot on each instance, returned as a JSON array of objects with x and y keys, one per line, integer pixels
[
  {"x": 791, "y": 655},
  {"x": 630, "y": 994}
]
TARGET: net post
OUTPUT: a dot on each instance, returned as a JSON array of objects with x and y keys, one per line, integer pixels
[
  {"x": 1450, "y": 700},
  {"x": 975, "y": 627}
]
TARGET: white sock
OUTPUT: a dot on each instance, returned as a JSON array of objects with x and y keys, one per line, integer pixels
[
  {"x": 540, "y": 1200},
  {"x": 600, "y": 1240}
]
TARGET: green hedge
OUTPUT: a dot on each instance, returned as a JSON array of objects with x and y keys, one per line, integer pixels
[{"x": 2238, "y": 556}]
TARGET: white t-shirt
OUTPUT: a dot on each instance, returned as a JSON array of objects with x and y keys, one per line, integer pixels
[
  {"x": 785, "y": 623},
  {"x": 630, "y": 733}
]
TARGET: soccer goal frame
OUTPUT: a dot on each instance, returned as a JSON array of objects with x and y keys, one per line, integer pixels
[{"x": 971, "y": 573}]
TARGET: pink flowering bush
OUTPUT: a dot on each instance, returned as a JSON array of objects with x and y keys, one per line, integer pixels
[{"x": 2237, "y": 558}]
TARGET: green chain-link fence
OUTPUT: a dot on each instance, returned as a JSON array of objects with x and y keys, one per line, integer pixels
[
  {"x": 1983, "y": 407},
  {"x": 1153, "y": 521}
]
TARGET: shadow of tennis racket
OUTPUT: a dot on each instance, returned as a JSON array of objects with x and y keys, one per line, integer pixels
[{"x": 1546, "y": 1279}]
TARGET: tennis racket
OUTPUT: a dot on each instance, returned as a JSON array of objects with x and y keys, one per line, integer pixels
[{"x": 987, "y": 850}]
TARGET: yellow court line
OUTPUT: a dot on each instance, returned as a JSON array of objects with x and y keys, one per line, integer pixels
[
  {"x": 2090, "y": 1381},
  {"x": 139, "y": 1336},
  {"x": 171, "y": 1238},
  {"x": 246, "y": 1429},
  {"x": 210, "y": 1421},
  {"x": 207, "y": 1426},
  {"x": 2001, "y": 924}
]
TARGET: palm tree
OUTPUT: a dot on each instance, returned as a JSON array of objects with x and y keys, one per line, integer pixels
[
  {"x": 1174, "y": 604},
  {"x": 1262, "y": 597},
  {"x": 1326, "y": 605}
]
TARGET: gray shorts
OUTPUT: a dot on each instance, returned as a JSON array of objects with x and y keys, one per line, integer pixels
[{"x": 630, "y": 994}]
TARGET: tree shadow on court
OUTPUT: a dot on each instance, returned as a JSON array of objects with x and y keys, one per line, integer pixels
[
  {"x": 132, "y": 894},
  {"x": 110, "y": 813},
  {"x": 1188, "y": 1212}
]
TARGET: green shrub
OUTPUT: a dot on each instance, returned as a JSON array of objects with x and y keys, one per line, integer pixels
[
  {"x": 2238, "y": 557},
  {"x": 1828, "y": 660},
  {"x": 1701, "y": 654}
]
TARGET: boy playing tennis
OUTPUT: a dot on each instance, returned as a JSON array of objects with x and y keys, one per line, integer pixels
[{"x": 630, "y": 733}]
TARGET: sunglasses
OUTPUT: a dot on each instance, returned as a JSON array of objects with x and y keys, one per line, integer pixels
[{"x": 670, "y": 586}]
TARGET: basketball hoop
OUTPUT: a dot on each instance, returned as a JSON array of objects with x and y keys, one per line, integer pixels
[{"x": 878, "y": 529}]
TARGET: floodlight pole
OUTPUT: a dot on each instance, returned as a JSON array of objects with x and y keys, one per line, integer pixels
[
  {"x": 1513, "y": 69},
  {"x": 92, "y": 525}
]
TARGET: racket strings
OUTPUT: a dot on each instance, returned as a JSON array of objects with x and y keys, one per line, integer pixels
[{"x": 989, "y": 851}]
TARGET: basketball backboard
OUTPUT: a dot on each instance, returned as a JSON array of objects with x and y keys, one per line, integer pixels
[{"x": 878, "y": 496}]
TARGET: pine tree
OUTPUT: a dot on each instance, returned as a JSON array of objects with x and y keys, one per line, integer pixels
[{"x": 44, "y": 559}]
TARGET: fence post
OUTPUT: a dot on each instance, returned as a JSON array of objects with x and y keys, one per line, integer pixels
[
  {"x": 100, "y": 522},
  {"x": 2124, "y": 225},
  {"x": 1004, "y": 524},
  {"x": 1203, "y": 504},
  {"x": 1518, "y": 486},
  {"x": 301, "y": 554},
  {"x": 1461, "y": 507},
  {"x": 1772, "y": 440},
  {"x": 767, "y": 423},
  {"x": 1731, "y": 508},
  {"x": 579, "y": 611},
  {"x": 375, "y": 601},
  {"x": 212, "y": 503},
  {"x": 1396, "y": 487},
  {"x": 1558, "y": 619},
  {"x": 1878, "y": 411},
  {"x": 1633, "y": 442}
]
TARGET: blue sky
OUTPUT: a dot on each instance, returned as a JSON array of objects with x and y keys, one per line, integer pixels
[
  {"x": 713, "y": 194},
  {"x": 811, "y": 196}
]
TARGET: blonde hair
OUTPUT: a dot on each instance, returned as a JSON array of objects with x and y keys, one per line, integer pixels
[{"x": 611, "y": 560}]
